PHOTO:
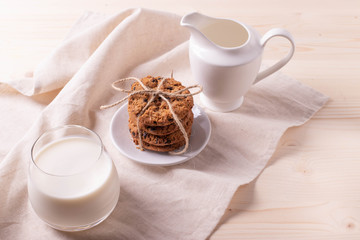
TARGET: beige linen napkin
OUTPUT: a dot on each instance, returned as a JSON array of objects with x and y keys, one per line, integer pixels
[{"x": 178, "y": 202}]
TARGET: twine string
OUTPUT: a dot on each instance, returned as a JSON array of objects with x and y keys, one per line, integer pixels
[{"x": 153, "y": 93}]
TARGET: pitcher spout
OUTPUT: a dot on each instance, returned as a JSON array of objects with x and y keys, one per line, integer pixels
[
  {"x": 217, "y": 33},
  {"x": 195, "y": 22}
]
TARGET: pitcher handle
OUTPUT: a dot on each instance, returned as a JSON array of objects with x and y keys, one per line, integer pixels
[{"x": 270, "y": 34}]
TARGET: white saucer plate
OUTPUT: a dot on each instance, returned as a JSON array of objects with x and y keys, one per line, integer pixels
[{"x": 120, "y": 136}]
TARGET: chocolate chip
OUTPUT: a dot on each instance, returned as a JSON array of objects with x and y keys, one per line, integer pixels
[
  {"x": 155, "y": 122},
  {"x": 133, "y": 133},
  {"x": 134, "y": 88},
  {"x": 152, "y": 128},
  {"x": 169, "y": 88},
  {"x": 145, "y": 99}
]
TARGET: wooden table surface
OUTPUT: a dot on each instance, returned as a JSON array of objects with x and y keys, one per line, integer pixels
[{"x": 311, "y": 186}]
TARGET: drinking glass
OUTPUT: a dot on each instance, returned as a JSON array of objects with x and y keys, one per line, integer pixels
[{"x": 73, "y": 184}]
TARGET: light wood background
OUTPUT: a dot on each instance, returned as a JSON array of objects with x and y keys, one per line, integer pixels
[{"x": 311, "y": 187}]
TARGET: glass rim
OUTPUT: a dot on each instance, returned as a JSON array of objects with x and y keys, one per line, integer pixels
[{"x": 65, "y": 127}]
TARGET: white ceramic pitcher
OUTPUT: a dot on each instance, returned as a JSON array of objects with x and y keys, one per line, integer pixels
[{"x": 225, "y": 58}]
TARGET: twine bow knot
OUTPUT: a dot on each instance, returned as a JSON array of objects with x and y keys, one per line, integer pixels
[{"x": 155, "y": 93}]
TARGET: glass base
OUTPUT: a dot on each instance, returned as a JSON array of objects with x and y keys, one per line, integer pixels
[
  {"x": 79, "y": 228},
  {"x": 220, "y": 107}
]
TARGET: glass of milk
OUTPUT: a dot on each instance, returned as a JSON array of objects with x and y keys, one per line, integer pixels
[{"x": 73, "y": 184}]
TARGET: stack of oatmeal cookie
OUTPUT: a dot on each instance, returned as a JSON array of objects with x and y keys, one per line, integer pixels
[{"x": 159, "y": 131}]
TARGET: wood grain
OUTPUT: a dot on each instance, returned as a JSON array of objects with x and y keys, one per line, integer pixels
[{"x": 311, "y": 187}]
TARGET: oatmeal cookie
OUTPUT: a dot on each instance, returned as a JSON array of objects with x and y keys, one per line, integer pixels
[
  {"x": 164, "y": 130},
  {"x": 157, "y": 140},
  {"x": 166, "y": 148},
  {"x": 158, "y": 113}
]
